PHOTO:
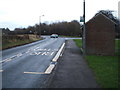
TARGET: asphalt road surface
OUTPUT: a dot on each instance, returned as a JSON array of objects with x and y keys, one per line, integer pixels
[{"x": 25, "y": 66}]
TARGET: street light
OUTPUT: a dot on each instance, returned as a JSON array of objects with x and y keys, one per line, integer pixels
[
  {"x": 40, "y": 24},
  {"x": 84, "y": 30}
]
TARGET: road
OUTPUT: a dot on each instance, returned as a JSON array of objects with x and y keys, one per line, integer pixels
[
  {"x": 26, "y": 66},
  {"x": 29, "y": 66}
]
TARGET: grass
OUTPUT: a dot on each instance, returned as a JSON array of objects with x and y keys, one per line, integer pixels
[
  {"x": 78, "y": 42},
  {"x": 16, "y": 43},
  {"x": 70, "y": 36},
  {"x": 9, "y": 43},
  {"x": 105, "y": 68},
  {"x": 117, "y": 47}
]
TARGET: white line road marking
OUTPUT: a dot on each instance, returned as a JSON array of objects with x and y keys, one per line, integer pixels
[
  {"x": 48, "y": 49},
  {"x": 20, "y": 54},
  {"x": 34, "y": 72},
  {"x": 1, "y": 70},
  {"x": 37, "y": 49},
  {"x": 6, "y": 60},
  {"x": 52, "y": 53},
  {"x": 27, "y": 52},
  {"x": 35, "y": 53},
  {"x": 45, "y": 53},
  {"x": 55, "y": 50},
  {"x": 13, "y": 57},
  {"x": 3, "y": 61},
  {"x": 58, "y": 54},
  {"x": 61, "y": 55},
  {"x": 9, "y": 59},
  {"x": 42, "y": 53},
  {"x": 49, "y": 69},
  {"x": 45, "y": 49}
]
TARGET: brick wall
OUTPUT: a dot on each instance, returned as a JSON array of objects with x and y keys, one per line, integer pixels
[{"x": 100, "y": 36}]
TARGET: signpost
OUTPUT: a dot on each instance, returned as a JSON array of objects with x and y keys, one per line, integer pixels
[{"x": 81, "y": 19}]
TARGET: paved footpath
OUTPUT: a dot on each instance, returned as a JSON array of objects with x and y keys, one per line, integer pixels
[{"x": 72, "y": 70}]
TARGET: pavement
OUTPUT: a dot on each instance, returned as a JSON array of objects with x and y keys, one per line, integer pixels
[{"x": 72, "y": 70}]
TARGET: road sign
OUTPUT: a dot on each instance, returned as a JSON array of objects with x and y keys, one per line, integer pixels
[{"x": 81, "y": 19}]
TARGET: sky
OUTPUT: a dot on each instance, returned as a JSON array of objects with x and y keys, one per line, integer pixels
[{"x": 24, "y": 13}]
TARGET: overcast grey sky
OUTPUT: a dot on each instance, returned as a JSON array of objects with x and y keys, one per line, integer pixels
[{"x": 23, "y": 13}]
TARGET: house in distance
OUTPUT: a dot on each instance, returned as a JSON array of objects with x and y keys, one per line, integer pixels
[{"x": 100, "y": 35}]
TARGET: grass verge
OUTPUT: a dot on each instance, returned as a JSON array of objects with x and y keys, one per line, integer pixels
[
  {"x": 78, "y": 42},
  {"x": 105, "y": 68},
  {"x": 70, "y": 36},
  {"x": 13, "y": 41}
]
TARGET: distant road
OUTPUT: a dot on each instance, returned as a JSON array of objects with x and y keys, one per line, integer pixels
[{"x": 24, "y": 66}]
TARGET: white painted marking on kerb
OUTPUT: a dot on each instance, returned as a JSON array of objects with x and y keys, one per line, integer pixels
[
  {"x": 49, "y": 69},
  {"x": 58, "y": 54}
]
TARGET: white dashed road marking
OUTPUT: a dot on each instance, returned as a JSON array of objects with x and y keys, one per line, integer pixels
[{"x": 11, "y": 58}]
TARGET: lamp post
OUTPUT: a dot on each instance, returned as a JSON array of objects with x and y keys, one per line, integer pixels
[
  {"x": 40, "y": 24},
  {"x": 84, "y": 30}
]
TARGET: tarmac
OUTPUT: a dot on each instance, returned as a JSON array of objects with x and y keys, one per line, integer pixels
[{"x": 72, "y": 70}]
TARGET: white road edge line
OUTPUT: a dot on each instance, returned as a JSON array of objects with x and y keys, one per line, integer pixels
[
  {"x": 58, "y": 54},
  {"x": 49, "y": 69}
]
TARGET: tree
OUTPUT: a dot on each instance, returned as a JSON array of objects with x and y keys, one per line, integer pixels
[{"x": 109, "y": 14}]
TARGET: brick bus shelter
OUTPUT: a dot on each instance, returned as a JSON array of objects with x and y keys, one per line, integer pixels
[{"x": 100, "y": 36}]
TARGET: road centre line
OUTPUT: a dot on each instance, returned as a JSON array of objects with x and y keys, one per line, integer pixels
[
  {"x": 2, "y": 61},
  {"x": 11, "y": 58}
]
